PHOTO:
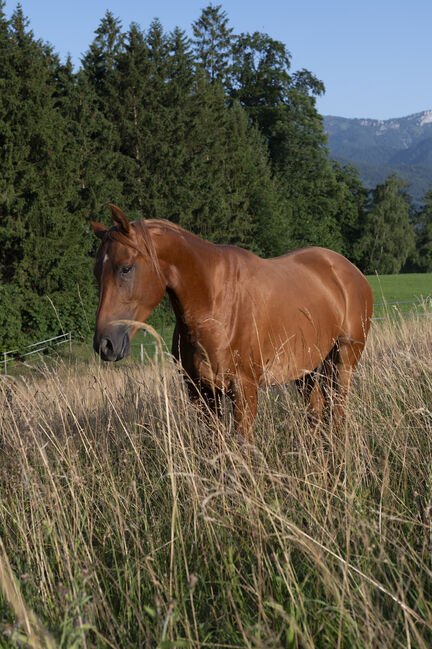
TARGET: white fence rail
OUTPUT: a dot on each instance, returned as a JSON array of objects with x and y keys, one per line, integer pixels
[
  {"x": 8, "y": 357},
  {"x": 35, "y": 348}
]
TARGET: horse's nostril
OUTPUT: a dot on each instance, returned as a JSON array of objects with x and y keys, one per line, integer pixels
[
  {"x": 106, "y": 346},
  {"x": 125, "y": 346}
]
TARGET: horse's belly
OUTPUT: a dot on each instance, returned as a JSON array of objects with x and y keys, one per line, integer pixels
[
  {"x": 279, "y": 372},
  {"x": 293, "y": 359}
]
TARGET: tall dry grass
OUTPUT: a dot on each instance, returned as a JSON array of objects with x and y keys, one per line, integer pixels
[{"x": 128, "y": 521}]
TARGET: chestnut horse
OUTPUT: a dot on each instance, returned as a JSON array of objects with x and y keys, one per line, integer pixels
[{"x": 241, "y": 321}]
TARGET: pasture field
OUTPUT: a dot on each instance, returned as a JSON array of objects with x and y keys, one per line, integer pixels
[
  {"x": 400, "y": 288},
  {"x": 127, "y": 521}
]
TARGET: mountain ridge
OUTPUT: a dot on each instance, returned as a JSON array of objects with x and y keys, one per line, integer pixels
[{"x": 381, "y": 147}]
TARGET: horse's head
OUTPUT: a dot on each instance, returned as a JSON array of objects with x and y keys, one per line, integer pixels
[{"x": 130, "y": 284}]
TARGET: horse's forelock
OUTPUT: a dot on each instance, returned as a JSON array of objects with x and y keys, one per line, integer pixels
[{"x": 143, "y": 238}]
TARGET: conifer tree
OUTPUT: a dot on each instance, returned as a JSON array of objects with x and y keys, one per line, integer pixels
[
  {"x": 180, "y": 65},
  {"x": 179, "y": 183},
  {"x": 206, "y": 213},
  {"x": 103, "y": 52},
  {"x": 257, "y": 221},
  {"x": 213, "y": 38},
  {"x": 231, "y": 194},
  {"x": 11, "y": 231},
  {"x": 89, "y": 138},
  {"x": 158, "y": 121},
  {"x": 43, "y": 244},
  {"x": 128, "y": 91}
]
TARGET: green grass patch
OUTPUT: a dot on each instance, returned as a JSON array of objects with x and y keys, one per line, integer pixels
[{"x": 401, "y": 288}]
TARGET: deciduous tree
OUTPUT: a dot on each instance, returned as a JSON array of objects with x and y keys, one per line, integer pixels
[{"x": 387, "y": 235}]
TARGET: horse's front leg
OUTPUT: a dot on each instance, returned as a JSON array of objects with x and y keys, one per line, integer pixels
[
  {"x": 211, "y": 398},
  {"x": 207, "y": 399},
  {"x": 244, "y": 393}
]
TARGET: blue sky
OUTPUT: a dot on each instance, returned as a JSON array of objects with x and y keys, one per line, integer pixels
[{"x": 374, "y": 56}]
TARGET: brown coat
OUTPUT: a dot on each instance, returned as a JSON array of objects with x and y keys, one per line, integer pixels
[{"x": 241, "y": 321}]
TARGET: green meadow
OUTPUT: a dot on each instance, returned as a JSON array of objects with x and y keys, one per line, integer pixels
[{"x": 401, "y": 288}]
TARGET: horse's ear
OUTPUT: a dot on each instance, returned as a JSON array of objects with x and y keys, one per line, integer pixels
[
  {"x": 99, "y": 229},
  {"x": 119, "y": 219}
]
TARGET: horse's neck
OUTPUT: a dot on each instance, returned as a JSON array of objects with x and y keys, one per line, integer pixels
[{"x": 184, "y": 262}]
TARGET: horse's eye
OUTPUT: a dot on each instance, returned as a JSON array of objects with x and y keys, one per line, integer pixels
[{"x": 125, "y": 270}]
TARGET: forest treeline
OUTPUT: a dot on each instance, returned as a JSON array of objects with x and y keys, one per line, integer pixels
[{"x": 214, "y": 132}]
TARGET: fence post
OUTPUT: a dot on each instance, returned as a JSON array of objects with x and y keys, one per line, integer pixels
[
  {"x": 5, "y": 362},
  {"x": 70, "y": 342},
  {"x": 142, "y": 353}
]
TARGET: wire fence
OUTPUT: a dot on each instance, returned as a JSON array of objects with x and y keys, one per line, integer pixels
[{"x": 425, "y": 303}]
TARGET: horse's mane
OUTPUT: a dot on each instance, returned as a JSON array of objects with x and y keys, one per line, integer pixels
[{"x": 168, "y": 226}]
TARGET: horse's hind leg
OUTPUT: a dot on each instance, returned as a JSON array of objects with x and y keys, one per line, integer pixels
[
  {"x": 325, "y": 391},
  {"x": 309, "y": 388},
  {"x": 339, "y": 376}
]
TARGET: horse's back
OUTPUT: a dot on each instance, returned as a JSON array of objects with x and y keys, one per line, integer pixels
[{"x": 318, "y": 270}]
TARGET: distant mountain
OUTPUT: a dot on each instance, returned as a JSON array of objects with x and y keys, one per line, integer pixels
[{"x": 379, "y": 148}]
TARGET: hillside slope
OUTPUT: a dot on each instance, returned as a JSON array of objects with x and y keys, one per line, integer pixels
[{"x": 379, "y": 148}]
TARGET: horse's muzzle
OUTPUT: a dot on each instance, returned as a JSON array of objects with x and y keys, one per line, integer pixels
[{"x": 112, "y": 347}]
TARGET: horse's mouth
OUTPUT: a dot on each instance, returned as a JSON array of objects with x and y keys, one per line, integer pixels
[{"x": 112, "y": 347}]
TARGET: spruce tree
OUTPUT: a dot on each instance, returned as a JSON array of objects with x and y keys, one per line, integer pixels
[
  {"x": 232, "y": 197},
  {"x": 257, "y": 221},
  {"x": 11, "y": 230},
  {"x": 158, "y": 121},
  {"x": 207, "y": 211},
  {"x": 179, "y": 99},
  {"x": 213, "y": 38},
  {"x": 101, "y": 57},
  {"x": 127, "y": 91},
  {"x": 43, "y": 242}
]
